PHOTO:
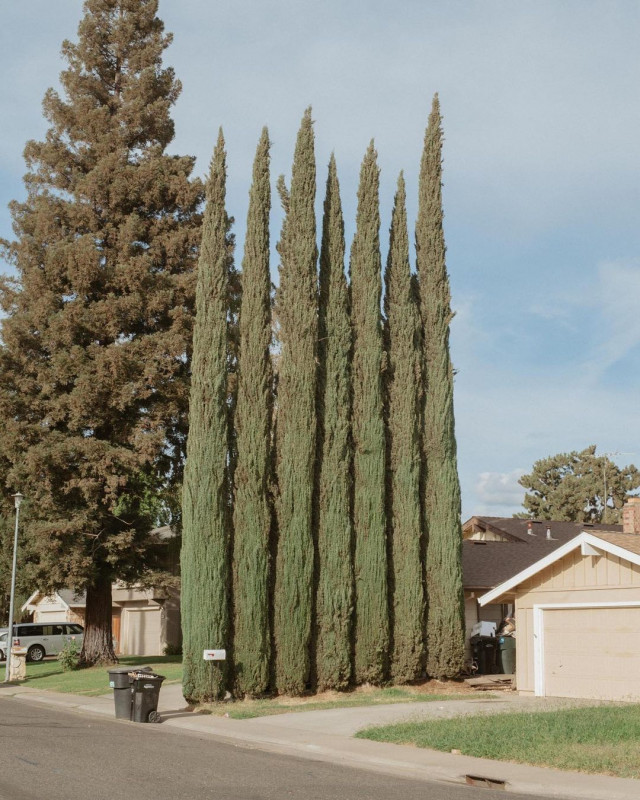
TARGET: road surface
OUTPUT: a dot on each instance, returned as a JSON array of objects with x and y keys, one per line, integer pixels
[{"x": 63, "y": 755}]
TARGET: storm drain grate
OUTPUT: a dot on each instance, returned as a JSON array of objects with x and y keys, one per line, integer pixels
[{"x": 487, "y": 783}]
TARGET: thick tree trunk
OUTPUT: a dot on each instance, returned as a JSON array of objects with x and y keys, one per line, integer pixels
[{"x": 97, "y": 647}]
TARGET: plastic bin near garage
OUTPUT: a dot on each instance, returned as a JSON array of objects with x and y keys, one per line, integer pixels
[
  {"x": 145, "y": 689},
  {"x": 507, "y": 654},
  {"x": 484, "y": 650},
  {"x": 120, "y": 681}
]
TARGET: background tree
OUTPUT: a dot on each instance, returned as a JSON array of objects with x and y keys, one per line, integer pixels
[
  {"x": 205, "y": 558},
  {"x": 445, "y": 600},
  {"x": 372, "y": 611},
  {"x": 335, "y": 457},
  {"x": 580, "y": 486},
  {"x": 403, "y": 395},
  {"x": 252, "y": 511},
  {"x": 93, "y": 386},
  {"x": 297, "y": 310}
]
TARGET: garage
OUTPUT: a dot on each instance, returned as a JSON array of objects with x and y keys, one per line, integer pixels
[
  {"x": 142, "y": 631},
  {"x": 581, "y": 645},
  {"x": 577, "y": 616}
]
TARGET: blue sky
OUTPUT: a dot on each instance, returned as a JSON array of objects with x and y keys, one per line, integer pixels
[{"x": 542, "y": 178}]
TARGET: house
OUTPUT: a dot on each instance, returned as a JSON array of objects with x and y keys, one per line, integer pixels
[
  {"x": 577, "y": 613},
  {"x": 495, "y": 549},
  {"x": 143, "y": 621}
]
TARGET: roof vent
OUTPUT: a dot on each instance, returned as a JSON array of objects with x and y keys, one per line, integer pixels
[
  {"x": 530, "y": 529},
  {"x": 549, "y": 536}
]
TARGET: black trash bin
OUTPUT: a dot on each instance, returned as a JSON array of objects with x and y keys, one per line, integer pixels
[
  {"x": 120, "y": 681},
  {"x": 484, "y": 653},
  {"x": 145, "y": 693}
]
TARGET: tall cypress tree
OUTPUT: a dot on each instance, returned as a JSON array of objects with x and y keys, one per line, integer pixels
[
  {"x": 205, "y": 504},
  {"x": 402, "y": 340},
  {"x": 252, "y": 514},
  {"x": 94, "y": 384},
  {"x": 335, "y": 532},
  {"x": 297, "y": 310},
  {"x": 372, "y": 612},
  {"x": 445, "y": 600}
]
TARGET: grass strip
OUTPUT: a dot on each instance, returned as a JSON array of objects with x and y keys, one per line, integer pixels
[
  {"x": 94, "y": 681},
  {"x": 601, "y": 739}
]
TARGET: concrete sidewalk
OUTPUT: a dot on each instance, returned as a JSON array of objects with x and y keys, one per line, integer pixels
[{"x": 327, "y": 736}]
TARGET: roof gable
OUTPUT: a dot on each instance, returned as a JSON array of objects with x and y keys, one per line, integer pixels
[{"x": 622, "y": 545}]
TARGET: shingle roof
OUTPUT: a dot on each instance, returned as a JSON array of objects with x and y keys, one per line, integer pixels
[
  {"x": 73, "y": 599},
  {"x": 516, "y": 527},
  {"x": 487, "y": 564},
  {"x": 629, "y": 541}
]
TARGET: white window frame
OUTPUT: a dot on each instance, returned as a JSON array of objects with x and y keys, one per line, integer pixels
[{"x": 538, "y": 632}]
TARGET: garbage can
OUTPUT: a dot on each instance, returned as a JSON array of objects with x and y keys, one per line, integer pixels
[
  {"x": 145, "y": 692},
  {"x": 507, "y": 650},
  {"x": 120, "y": 681},
  {"x": 484, "y": 653}
]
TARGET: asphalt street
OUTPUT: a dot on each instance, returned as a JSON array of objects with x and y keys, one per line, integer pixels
[{"x": 63, "y": 755}]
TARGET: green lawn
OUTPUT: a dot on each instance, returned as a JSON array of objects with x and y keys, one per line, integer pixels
[
  {"x": 604, "y": 739},
  {"x": 94, "y": 681}
]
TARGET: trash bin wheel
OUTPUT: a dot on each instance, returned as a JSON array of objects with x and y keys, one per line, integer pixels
[{"x": 154, "y": 717}]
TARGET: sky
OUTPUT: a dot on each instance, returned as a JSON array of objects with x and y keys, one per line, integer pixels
[{"x": 541, "y": 107}]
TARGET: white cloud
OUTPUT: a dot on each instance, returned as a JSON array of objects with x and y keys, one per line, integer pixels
[{"x": 499, "y": 491}]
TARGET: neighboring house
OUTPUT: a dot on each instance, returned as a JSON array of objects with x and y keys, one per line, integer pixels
[
  {"x": 495, "y": 549},
  {"x": 143, "y": 621},
  {"x": 578, "y": 615}
]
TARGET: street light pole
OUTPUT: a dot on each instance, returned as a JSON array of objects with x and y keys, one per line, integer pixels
[{"x": 17, "y": 498}]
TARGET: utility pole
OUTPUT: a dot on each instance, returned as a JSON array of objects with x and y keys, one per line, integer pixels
[{"x": 17, "y": 499}]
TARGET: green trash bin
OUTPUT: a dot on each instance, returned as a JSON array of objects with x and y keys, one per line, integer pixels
[
  {"x": 507, "y": 650},
  {"x": 145, "y": 693}
]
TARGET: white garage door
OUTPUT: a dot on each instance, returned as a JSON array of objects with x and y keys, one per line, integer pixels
[
  {"x": 592, "y": 653},
  {"x": 142, "y": 632}
]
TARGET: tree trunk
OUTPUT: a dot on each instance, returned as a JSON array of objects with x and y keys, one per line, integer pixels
[{"x": 97, "y": 647}]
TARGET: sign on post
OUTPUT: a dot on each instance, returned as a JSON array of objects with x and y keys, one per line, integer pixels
[{"x": 214, "y": 655}]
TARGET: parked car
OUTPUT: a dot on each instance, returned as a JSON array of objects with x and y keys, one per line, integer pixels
[{"x": 41, "y": 638}]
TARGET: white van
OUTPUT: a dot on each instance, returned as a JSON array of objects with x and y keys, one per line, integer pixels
[{"x": 41, "y": 638}]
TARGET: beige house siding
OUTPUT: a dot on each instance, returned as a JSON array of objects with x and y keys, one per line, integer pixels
[{"x": 573, "y": 580}]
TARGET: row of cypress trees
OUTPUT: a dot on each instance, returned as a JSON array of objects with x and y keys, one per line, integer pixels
[{"x": 324, "y": 551}]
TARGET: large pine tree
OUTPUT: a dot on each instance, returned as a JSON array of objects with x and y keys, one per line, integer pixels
[
  {"x": 205, "y": 558},
  {"x": 335, "y": 457},
  {"x": 93, "y": 393},
  {"x": 297, "y": 310},
  {"x": 372, "y": 611},
  {"x": 445, "y": 600},
  {"x": 402, "y": 326},
  {"x": 252, "y": 512}
]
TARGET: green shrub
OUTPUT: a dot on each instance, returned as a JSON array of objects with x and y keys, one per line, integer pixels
[
  {"x": 172, "y": 650},
  {"x": 69, "y": 656}
]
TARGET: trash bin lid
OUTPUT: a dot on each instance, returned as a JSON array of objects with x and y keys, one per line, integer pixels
[{"x": 127, "y": 670}]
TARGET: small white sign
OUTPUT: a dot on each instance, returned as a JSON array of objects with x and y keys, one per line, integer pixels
[{"x": 214, "y": 655}]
